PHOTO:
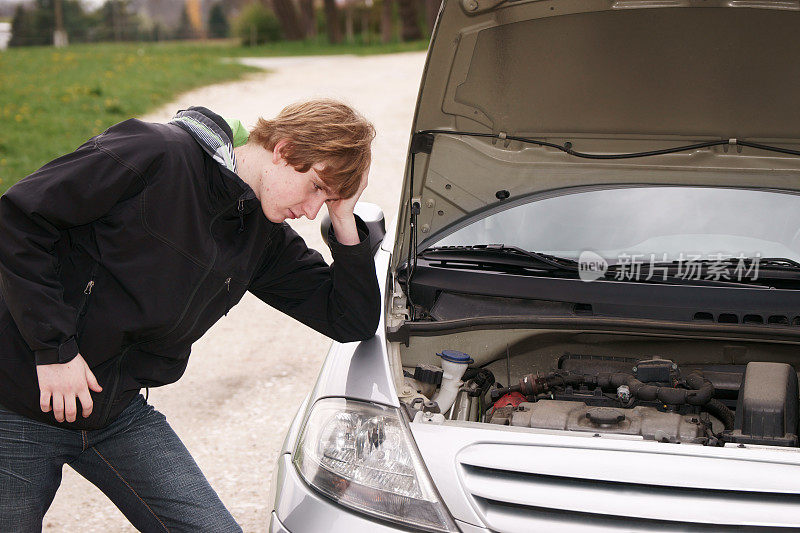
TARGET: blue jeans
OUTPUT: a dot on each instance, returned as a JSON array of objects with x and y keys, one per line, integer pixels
[{"x": 137, "y": 461}]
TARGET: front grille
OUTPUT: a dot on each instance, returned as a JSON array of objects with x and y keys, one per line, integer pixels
[{"x": 511, "y": 500}]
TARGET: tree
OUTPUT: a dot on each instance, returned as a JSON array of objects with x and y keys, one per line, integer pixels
[
  {"x": 22, "y": 28},
  {"x": 116, "y": 22},
  {"x": 287, "y": 15},
  {"x": 308, "y": 17},
  {"x": 35, "y": 26},
  {"x": 332, "y": 22},
  {"x": 431, "y": 11},
  {"x": 409, "y": 19},
  {"x": 387, "y": 21},
  {"x": 348, "y": 22},
  {"x": 217, "y": 22},
  {"x": 256, "y": 24},
  {"x": 185, "y": 30}
]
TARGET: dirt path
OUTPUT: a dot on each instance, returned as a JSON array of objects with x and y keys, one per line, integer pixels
[{"x": 250, "y": 372}]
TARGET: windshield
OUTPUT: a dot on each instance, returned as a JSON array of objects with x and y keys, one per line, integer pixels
[{"x": 663, "y": 223}]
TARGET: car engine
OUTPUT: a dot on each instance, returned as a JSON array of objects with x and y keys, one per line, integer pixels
[{"x": 653, "y": 398}]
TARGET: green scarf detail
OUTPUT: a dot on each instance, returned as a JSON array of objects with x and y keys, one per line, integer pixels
[{"x": 240, "y": 134}]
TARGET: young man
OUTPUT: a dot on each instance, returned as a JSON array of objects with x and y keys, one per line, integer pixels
[{"x": 115, "y": 258}]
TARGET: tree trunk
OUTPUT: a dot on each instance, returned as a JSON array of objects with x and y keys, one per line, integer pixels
[
  {"x": 309, "y": 18},
  {"x": 287, "y": 16},
  {"x": 431, "y": 11},
  {"x": 365, "y": 29},
  {"x": 332, "y": 22},
  {"x": 115, "y": 21},
  {"x": 387, "y": 25},
  {"x": 59, "y": 35},
  {"x": 348, "y": 23},
  {"x": 408, "y": 17}
]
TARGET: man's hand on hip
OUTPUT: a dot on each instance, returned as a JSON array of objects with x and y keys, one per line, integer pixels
[{"x": 63, "y": 383}]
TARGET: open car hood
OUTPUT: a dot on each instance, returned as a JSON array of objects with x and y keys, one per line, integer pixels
[{"x": 609, "y": 77}]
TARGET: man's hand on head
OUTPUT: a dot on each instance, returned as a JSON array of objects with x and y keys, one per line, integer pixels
[{"x": 341, "y": 213}]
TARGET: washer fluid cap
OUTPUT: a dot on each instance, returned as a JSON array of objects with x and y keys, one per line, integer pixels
[{"x": 455, "y": 356}]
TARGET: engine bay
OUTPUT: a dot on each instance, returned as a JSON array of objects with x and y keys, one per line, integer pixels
[{"x": 653, "y": 397}]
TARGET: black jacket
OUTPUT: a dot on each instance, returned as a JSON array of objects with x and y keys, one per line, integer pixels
[{"x": 128, "y": 249}]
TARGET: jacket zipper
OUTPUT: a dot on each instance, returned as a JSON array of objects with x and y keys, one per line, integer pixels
[
  {"x": 240, "y": 209},
  {"x": 118, "y": 366},
  {"x": 228, "y": 299},
  {"x": 87, "y": 291}
]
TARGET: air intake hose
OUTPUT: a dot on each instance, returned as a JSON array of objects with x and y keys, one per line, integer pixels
[{"x": 700, "y": 389}]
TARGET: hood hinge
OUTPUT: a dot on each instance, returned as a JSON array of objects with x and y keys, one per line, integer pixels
[{"x": 421, "y": 143}]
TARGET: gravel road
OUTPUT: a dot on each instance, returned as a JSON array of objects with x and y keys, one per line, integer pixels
[{"x": 249, "y": 373}]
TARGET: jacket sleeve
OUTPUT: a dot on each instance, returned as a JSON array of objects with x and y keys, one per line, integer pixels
[
  {"x": 341, "y": 301},
  {"x": 70, "y": 191}
]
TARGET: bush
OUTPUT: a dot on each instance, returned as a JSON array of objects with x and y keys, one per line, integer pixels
[{"x": 256, "y": 25}]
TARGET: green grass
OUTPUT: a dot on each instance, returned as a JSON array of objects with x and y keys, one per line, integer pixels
[
  {"x": 319, "y": 47},
  {"x": 52, "y": 100}
]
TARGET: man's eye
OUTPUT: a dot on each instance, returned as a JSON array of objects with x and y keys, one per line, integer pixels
[{"x": 317, "y": 187}]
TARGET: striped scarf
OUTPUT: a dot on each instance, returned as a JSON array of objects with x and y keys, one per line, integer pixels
[{"x": 209, "y": 135}]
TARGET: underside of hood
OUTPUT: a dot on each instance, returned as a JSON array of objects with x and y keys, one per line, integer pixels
[
  {"x": 607, "y": 77},
  {"x": 545, "y": 68}
]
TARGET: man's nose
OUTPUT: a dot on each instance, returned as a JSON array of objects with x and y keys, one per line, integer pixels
[{"x": 312, "y": 207}]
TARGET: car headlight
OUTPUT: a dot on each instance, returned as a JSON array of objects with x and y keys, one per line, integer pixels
[{"x": 362, "y": 456}]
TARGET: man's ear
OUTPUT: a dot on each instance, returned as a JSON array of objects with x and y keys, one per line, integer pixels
[{"x": 278, "y": 151}]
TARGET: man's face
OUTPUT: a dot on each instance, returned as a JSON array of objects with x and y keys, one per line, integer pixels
[{"x": 288, "y": 194}]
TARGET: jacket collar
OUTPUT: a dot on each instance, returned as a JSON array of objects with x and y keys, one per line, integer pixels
[
  {"x": 211, "y": 132},
  {"x": 215, "y": 137}
]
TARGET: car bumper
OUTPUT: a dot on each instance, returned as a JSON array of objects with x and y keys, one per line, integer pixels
[{"x": 275, "y": 525}]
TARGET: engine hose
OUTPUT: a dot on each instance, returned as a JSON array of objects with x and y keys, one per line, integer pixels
[
  {"x": 700, "y": 390},
  {"x": 700, "y": 393},
  {"x": 721, "y": 411},
  {"x": 703, "y": 389},
  {"x": 533, "y": 384}
]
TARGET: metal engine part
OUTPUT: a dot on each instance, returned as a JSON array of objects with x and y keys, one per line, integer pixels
[{"x": 648, "y": 422}]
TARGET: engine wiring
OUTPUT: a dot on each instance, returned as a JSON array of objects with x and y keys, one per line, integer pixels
[{"x": 567, "y": 146}]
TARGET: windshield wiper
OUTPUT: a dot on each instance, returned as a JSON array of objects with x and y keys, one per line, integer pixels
[
  {"x": 781, "y": 263},
  {"x": 499, "y": 255}
]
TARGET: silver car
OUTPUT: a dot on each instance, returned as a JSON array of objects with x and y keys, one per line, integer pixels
[{"x": 591, "y": 311}]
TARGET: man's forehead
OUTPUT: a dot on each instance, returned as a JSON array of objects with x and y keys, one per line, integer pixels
[
  {"x": 318, "y": 168},
  {"x": 330, "y": 193}
]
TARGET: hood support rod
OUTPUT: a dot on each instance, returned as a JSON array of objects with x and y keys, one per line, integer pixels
[{"x": 420, "y": 143}]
